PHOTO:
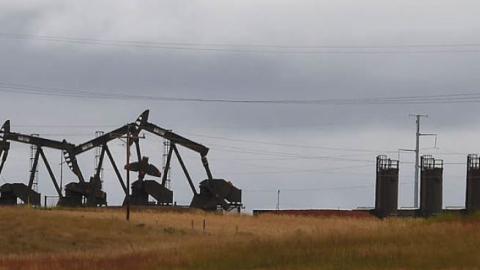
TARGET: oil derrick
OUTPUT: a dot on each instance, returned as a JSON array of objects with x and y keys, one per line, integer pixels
[
  {"x": 431, "y": 186},
  {"x": 386, "y": 188}
]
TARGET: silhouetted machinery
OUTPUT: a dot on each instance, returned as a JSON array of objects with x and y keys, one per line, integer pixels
[
  {"x": 11, "y": 192},
  {"x": 92, "y": 190},
  {"x": 214, "y": 193},
  {"x": 142, "y": 189}
]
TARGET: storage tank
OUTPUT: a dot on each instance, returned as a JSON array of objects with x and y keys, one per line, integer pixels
[
  {"x": 431, "y": 186},
  {"x": 386, "y": 187},
  {"x": 472, "y": 199}
]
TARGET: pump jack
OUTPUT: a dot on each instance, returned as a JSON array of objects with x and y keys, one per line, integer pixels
[
  {"x": 76, "y": 190},
  {"x": 11, "y": 191},
  {"x": 213, "y": 193}
]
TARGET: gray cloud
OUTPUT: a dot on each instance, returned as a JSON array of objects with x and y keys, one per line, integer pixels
[{"x": 163, "y": 72}]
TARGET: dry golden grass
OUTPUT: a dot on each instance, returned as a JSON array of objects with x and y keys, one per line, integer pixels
[{"x": 102, "y": 239}]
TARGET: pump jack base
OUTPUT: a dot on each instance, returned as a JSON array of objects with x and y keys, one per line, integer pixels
[
  {"x": 76, "y": 192},
  {"x": 142, "y": 189},
  {"x": 11, "y": 192},
  {"x": 215, "y": 194}
]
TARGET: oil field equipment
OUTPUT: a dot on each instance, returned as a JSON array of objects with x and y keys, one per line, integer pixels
[
  {"x": 214, "y": 193},
  {"x": 10, "y": 192},
  {"x": 84, "y": 193},
  {"x": 74, "y": 192},
  {"x": 386, "y": 188},
  {"x": 431, "y": 186},
  {"x": 4, "y": 145},
  {"x": 472, "y": 199},
  {"x": 142, "y": 189}
]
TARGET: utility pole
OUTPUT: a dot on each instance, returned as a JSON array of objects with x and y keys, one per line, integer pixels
[
  {"x": 129, "y": 136},
  {"x": 417, "y": 157},
  {"x": 128, "y": 174}
]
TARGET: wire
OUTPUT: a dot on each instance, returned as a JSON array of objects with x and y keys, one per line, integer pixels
[
  {"x": 197, "y": 44},
  {"x": 288, "y": 154},
  {"x": 295, "y": 145},
  {"x": 64, "y": 126},
  {"x": 399, "y": 100},
  {"x": 323, "y": 171},
  {"x": 284, "y": 155},
  {"x": 319, "y": 188},
  {"x": 280, "y": 154},
  {"x": 257, "y": 48}
]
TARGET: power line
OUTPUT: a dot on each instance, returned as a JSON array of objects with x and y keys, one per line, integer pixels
[
  {"x": 399, "y": 100},
  {"x": 319, "y": 188},
  {"x": 288, "y": 154},
  {"x": 62, "y": 126},
  {"x": 263, "y": 45},
  {"x": 279, "y": 155},
  {"x": 257, "y": 48},
  {"x": 294, "y": 145},
  {"x": 334, "y": 170},
  {"x": 330, "y": 148}
]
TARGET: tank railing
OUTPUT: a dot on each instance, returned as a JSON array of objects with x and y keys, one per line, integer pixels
[
  {"x": 429, "y": 162},
  {"x": 384, "y": 163},
  {"x": 473, "y": 161}
]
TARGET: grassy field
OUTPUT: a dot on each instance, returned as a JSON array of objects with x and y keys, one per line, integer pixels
[{"x": 102, "y": 239}]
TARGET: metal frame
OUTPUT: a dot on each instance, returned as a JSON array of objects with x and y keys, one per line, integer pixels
[
  {"x": 102, "y": 141},
  {"x": 40, "y": 143}
]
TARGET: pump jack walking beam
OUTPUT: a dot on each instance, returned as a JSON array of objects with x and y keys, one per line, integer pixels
[
  {"x": 7, "y": 135},
  {"x": 177, "y": 139},
  {"x": 102, "y": 141}
]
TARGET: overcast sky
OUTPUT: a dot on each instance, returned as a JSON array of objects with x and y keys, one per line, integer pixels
[{"x": 249, "y": 50}]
